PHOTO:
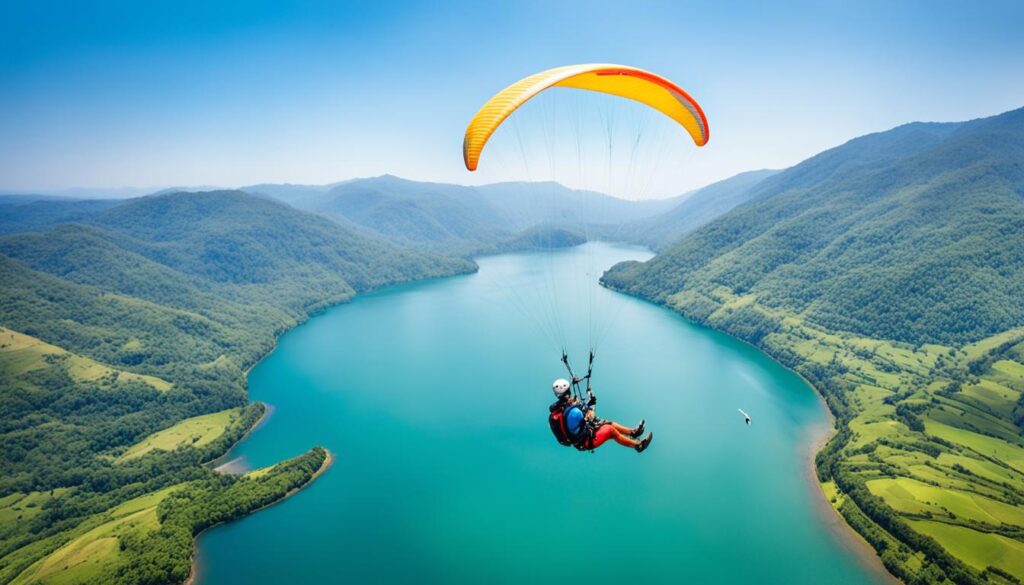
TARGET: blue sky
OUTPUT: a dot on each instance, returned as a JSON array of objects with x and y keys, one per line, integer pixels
[{"x": 150, "y": 94}]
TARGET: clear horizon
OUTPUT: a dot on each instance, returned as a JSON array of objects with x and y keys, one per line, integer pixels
[{"x": 127, "y": 97}]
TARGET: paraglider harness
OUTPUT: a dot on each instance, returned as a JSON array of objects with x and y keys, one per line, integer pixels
[{"x": 560, "y": 409}]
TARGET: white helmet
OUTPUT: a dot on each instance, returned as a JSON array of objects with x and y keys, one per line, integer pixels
[{"x": 560, "y": 387}]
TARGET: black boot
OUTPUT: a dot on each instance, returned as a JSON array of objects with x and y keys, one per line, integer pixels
[
  {"x": 639, "y": 430},
  {"x": 643, "y": 444}
]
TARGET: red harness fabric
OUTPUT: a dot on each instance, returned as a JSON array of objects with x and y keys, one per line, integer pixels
[{"x": 601, "y": 434}]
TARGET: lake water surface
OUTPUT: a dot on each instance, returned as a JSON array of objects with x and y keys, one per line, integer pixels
[{"x": 433, "y": 398}]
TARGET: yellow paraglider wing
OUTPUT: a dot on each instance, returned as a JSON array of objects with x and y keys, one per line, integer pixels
[{"x": 628, "y": 82}]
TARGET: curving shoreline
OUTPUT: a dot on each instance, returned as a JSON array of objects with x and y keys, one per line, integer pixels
[
  {"x": 223, "y": 465},
  {"x": 844, "y": 534},
  {"x": 194, "y": 570},
  {"x": 848, "y": 538}
]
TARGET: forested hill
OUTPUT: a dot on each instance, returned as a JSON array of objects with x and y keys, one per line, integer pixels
[
  {"x": 234, "y": 237},
  {"x": 124, "y": 339},
  {"x": 458, "y": 219},
  {"x": 168, "y": 284},
  {"x": 450, "y": 218},
  {"x": 915, "y": 234},
  {"x": 889, "y": 272},
  {"x": 229, "y": 261},
  {"x": 23, "y": 213},
  {"x": 693, "y": 211}
]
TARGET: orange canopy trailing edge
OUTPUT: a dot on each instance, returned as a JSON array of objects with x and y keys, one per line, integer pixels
[{"x": 620, "y": 80}]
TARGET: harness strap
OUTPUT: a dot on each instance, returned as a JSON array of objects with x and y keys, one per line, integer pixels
[{"x": 575, "y": 380}]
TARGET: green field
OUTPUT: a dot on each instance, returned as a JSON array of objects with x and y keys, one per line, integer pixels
[
  {"x": 97, "y": 553},
  {"x": 977, "y": 549},
  {"x": 20, "y": 353},
  {"x": 113, "y": 546},
  {"x": 20, "y": 507},
  {"x": 196, "y": 431},
  {"x": 910, "y": 496},
  {"x": 255, "y": 473},
  {"x": 951, "y": 452},
  {"x": 985, "y": 346}
]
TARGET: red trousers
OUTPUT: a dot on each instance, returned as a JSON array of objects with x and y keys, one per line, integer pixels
[{"x": 601, "y": 434}]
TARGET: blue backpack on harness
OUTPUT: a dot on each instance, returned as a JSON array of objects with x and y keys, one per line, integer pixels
[{"x": 557, "y": 421}]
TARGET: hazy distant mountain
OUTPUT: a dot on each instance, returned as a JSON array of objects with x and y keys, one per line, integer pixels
[
  {"x": 431, "y": 215},
  {"x": 23, "y": 198},
  {"x": 456, "y": 219},
  {"x": 460, "y": 219},
  {"x": 185, "y": 189},
  {"x": 22, "y": 213},
  {"x": 292, "y": 194},
  {"x": 445, "y": 218},
  {"x": 697, "y": 209},
  {"x": 97, "y": 192},
  {"x": 525, "y": 204}
]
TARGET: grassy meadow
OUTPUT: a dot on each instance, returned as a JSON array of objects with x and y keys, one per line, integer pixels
[
  {"x": 21, "y": 354},
  {"x": 196, "y": 431},
  {"x": 97, "y": 552}
]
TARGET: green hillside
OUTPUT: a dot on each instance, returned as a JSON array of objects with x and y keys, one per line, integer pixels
[
  {"x": 889, "y": 272},
  {"x": 22, "y": 213},
  {"x": 543, "y": 237},
  {"x": 460, "y": 220},
  {"x": 435, "y": 216},
  {"x": 526, "y": 204},
  {"x": 122, "y": 356},
  {"x": 697, "y": 209},
  {"x": 912, "y": 235}
]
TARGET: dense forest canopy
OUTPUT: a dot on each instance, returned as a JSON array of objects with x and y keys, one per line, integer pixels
[
  {"x": 912, "y": 234},
  {"x": 692, "y": 212}
]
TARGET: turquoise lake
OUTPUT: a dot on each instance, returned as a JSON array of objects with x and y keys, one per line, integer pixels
[{"x": 433, "y": 399}]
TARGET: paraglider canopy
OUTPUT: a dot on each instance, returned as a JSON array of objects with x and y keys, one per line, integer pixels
[{"x": 619, "y": 80}]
